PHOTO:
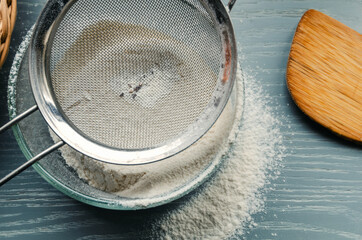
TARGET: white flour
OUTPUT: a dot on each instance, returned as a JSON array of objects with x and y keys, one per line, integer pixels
[
  {"x": 133, "y": 94},
  {"x": 225, "y": 205},
  {"x": 170, "y": 82},
  {"x": 160, "y": 178}
]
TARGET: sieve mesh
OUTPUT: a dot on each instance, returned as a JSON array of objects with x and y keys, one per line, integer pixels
[{"x": 134, "y": 74}]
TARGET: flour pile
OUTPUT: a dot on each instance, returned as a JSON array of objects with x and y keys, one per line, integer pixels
[{"x": 225, "y": 205}]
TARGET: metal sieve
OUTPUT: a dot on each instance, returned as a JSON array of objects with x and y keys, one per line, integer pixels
[{"x": 130, "y": 82}]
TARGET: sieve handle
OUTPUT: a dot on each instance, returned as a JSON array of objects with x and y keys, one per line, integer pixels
[
  {"x": 30, "y": 162},
  {"x": 231, "y": 4},
  {"x": 18, "y": 118}
]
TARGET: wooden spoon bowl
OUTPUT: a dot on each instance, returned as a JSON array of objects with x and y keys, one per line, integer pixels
[{"x": 324, "y": 73}]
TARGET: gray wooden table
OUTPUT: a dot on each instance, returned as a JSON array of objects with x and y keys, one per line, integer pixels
[{"x": 317, "y": 196}]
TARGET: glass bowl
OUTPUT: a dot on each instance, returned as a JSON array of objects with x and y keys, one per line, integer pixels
[{"x": 32, "y": 135}]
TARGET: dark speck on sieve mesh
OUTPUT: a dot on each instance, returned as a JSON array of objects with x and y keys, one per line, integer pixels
[{"x": 137, "y": 88}]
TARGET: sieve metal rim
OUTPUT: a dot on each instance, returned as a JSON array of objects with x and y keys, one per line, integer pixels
[{"x": 45, "y": 29}]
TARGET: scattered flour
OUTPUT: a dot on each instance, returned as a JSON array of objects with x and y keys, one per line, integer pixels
[
  {"x": 225, "y": 205},
  {"x": 13, "y": 76}
]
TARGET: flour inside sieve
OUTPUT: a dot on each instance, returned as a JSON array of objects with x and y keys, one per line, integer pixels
[{"x": 130, "y": 87}]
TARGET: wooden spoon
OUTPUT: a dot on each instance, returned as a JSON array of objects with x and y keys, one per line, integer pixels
[{"x": 324, "y": 73}]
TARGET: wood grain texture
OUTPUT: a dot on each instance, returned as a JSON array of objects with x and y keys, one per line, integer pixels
[
  {"x": 324, "y": 73},
  {"x": 7, "y": 24}
]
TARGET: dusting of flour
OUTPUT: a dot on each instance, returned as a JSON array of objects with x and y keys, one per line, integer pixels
[{"x": 223, "y": 207}]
